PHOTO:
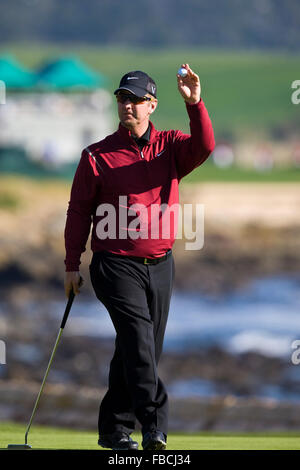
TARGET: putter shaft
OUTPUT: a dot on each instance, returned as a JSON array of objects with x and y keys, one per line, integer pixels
[
  {"x": 64, "y": 320},
  {"x": 43, "y": 383}
]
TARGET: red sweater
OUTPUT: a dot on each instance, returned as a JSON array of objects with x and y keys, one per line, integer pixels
[{"x": 114, "y": 171}]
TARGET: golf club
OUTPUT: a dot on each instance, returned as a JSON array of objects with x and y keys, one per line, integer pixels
[{"x": 64, "y": 320}]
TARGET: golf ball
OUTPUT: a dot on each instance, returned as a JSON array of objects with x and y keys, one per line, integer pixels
[{"x": 182, "y": 72}]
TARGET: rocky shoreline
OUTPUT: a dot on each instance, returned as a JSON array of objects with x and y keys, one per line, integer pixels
[
  {"x": 77, "y": 407},
  {"x": 79, "y": 374}
]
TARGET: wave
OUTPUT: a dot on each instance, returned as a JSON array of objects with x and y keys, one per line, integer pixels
[{"x": 262, "y": 317}]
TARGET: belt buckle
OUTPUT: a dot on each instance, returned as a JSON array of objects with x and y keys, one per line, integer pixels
[{"x": 146, "y": 261}]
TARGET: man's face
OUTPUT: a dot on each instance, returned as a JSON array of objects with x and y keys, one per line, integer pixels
[{"x": 133, "y": 115}]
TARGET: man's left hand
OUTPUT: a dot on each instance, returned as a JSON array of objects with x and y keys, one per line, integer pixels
[{"x": 189, "y": 87}]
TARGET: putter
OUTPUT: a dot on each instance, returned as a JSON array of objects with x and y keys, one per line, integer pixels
[{"x": 63, "y": 323}]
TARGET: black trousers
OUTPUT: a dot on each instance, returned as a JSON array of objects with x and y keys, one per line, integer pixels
[{"x": 137, "y": 298}]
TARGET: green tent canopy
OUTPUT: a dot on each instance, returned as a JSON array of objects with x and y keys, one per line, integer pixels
[
  {"x": 14, "y": 75},
  {"x": 68, "y": 73}
]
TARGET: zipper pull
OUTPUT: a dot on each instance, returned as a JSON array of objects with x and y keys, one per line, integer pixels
[{"x": 142, "y": 155}]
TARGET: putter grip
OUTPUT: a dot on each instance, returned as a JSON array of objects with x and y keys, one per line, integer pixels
[{"x": 68, "y": 306}]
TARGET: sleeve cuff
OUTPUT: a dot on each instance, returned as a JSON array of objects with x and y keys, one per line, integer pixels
[
  {"x": 71, "y": 267},
  {"x": 200, "y": 102}
]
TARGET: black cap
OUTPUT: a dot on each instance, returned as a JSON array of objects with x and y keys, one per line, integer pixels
[{"x": 138, "y": 83}]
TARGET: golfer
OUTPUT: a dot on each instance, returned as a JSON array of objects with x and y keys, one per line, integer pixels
[{"x": 118, "y": 183}]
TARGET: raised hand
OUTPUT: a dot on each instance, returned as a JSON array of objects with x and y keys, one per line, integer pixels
[{"x": 189, "y": 87}]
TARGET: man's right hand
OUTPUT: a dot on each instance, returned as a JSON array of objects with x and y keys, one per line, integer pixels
[
  {"x": 74, "y": 280},
  {"x": 189, "y": 86}
]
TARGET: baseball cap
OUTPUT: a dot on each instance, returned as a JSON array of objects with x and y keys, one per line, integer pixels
[{"x": 138, "y": 83}]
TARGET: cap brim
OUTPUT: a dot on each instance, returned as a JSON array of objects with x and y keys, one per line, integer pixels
[{"x": 133, "y": 89}]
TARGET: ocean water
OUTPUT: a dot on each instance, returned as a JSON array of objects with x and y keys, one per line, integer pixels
[{"x": 263, "y": 317}]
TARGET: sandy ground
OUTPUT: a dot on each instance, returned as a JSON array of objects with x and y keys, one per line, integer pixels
[
  {"x": 273, "y": 204},
  {"x": 228, "y": 204}
]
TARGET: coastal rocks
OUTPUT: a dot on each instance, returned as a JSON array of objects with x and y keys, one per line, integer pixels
[
  {"x": 241, "y": 375},
  {"x": 234, "y": 414},
  {"x": 209, "y": 388},
  {"x": 60, "y": 405},
  {"x": 230, "y": 261},
  {"x": 77, "y": 407}
]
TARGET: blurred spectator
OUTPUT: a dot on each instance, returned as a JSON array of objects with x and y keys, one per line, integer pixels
[
  {"x": 50, "y": 155},
  {"x": 263, "y": 159},
  {"x": 223, "y": 155},
  {"x": 296, "y": 155}
]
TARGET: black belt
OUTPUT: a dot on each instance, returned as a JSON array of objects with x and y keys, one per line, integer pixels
[{"x": 140, "y": 259}]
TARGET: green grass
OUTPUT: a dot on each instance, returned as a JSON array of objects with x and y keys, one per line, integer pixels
[
  {"x": 8, "y": 201},
  {"x": 42, "y": 437},
  {"x": 247, "y": 93},
  {"x": 208, "y": 172}
]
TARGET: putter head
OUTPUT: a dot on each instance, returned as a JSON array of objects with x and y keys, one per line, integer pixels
[{"x": 18, "y": 446}]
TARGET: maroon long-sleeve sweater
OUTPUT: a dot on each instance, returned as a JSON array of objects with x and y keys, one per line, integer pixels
[{"x": 130, "y": 196}]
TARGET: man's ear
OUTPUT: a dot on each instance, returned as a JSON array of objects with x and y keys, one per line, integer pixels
[{"x": 153, "y": 105}]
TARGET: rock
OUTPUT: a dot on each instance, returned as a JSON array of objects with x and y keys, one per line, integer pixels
[{"x": 77, "y": 407}]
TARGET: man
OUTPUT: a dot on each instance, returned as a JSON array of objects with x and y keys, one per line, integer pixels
[{"x": 132, "y": 171}]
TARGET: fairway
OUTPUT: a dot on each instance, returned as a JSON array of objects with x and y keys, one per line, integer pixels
[
  {"x": 247, "y": 93},
  {"x": 43, "y": 438},
  {"x": 248, "y": 96}
]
